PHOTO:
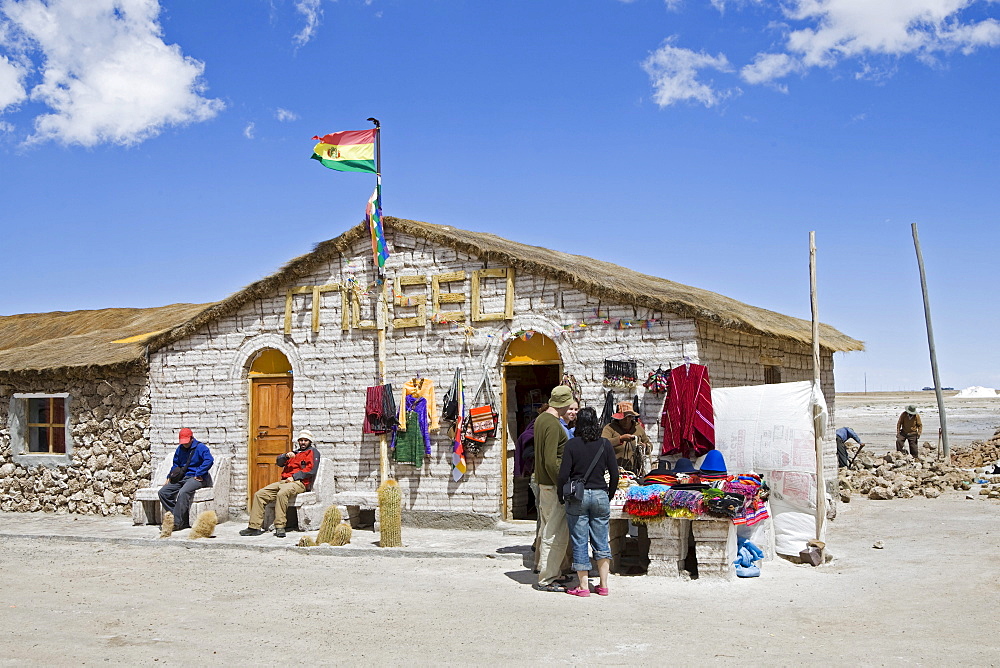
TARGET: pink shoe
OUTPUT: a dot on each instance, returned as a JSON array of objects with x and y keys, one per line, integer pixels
[
  {"x": 601, "y": 591},
  {"x": 578, "y": 591}
]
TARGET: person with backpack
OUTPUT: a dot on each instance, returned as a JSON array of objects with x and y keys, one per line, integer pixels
[{"x": 586, "y": 458}]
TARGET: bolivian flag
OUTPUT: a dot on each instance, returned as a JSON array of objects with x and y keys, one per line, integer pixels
[{"x": 348, "y": 151}]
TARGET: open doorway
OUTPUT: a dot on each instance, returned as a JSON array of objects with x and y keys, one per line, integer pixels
[{"x": 532, "y": 367}]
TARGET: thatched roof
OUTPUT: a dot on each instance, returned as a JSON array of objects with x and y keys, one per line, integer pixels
[
  {"x": 601, "y": 279},
  {"x": 66, "y": 339}
]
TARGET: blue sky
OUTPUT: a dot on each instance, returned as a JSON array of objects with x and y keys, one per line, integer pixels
[{"x": 153, "y": 153}]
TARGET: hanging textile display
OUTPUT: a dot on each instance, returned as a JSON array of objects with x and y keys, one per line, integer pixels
[
  {"x": 569, "y": 380},
  {"x": 608, "y": 414},
  {"x": 658, "y": 382},
  {"x": 421, "y": 388},
  {"x": 409, "y": 446},
  {"x": 380, "y": 410},
  {"x": 622, "y": 374},
  {"x": 458, "y": 465},
  {"x": 688, "y": 420},
  {"x": 449, "y": 405},
  {"x": 483, "y": 419}
]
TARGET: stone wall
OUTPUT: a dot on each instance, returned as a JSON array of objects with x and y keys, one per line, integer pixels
[
  {"x": 109, "y": 416},
  {"x": 201, "y": 380}
]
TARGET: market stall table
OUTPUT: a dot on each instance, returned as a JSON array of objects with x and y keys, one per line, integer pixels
[{"x": 670, "y": 540}]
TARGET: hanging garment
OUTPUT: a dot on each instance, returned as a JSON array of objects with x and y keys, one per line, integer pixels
[
  {"x": 380, "y": 410},
  {"x": 609, "y": 409},
  {"x": 421, "y": 388},
  {"x": 411, "y": 445},
  {"x": 524, "y": 451},
  {"x": 688, "y": 419}
]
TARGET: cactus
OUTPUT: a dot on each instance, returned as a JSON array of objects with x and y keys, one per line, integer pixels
[
  {"x": 204, "y": 525},
  {"x": 167, "y": 525},
  {"x": 331, "y": 518},
  {"x": 390, "y": 499},
  {"x": 341, "y": 535},
  {"x": 307, "y": 541}
]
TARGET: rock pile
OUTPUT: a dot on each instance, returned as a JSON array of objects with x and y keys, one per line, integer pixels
[
  {"x": 897, "y": 475},
  {"x": 980, "y": 453}
]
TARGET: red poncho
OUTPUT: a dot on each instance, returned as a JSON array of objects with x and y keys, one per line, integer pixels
[{"x": 688, "y": 420}]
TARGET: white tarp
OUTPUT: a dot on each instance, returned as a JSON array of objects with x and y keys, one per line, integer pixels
[{"x": 768, "y": 429}]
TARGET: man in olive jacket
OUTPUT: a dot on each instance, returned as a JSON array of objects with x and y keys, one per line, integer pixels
[{"x": 550, "y": 438}]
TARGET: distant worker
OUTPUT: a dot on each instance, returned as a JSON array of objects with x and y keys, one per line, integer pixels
[
  {"x": 908, "y": 428},
  {"x": 845, "y": 434}
]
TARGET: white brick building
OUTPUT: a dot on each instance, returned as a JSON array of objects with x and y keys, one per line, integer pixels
[{"x": 297, "y": 349}]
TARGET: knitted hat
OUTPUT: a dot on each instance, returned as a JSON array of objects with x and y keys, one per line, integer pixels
[{"x": 305, "y": 433}]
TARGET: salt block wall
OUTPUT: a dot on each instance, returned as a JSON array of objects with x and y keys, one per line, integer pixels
[
  {"x": 200, "y": 381},
  {"x": 109, "y": 454}
]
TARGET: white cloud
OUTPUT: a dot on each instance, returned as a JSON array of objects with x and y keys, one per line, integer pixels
[
  {"x": 838, "y": 30},
  {"x": 248, "y": 130},
  {"x": 11, "y": 83},
  {"x": 285, "y": 116},
  {"x": 768, "y": 66},
  {"x": 312, "y": 12},
  {"x": 105, "y": 71},
  {"x": 674, "y": 70}
]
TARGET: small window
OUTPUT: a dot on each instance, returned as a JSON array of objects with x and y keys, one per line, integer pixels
[
  {"x": 47, "y": 425},
  {"x": 39, "y": 429},
  {"x": 772, "y": 374}
]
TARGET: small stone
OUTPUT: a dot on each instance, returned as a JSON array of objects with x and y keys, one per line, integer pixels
[
  {"x": 879, "y": 545},
  {"x": 970, "y": 496},
  {"x": 932, "y": 493}
]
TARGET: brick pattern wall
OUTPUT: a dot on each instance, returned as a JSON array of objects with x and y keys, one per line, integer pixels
[{"x": 201, "y": 381}]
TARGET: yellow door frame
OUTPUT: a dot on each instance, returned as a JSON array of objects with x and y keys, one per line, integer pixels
[{"x": 504, "y": 512}]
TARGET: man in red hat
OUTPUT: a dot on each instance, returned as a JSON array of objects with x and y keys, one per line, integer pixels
[
  {"x": 192, "y": 462},
  {"x": 628, "y": 438}
]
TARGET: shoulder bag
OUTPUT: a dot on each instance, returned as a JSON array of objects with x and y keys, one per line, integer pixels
[{"x": 573, "y": 489}]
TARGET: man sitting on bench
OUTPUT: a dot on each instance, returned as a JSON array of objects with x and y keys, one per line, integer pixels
[{"x": 297, "y": 474}]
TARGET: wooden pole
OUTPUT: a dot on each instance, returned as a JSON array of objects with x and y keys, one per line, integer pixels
[
  {"x": 381, "y": 303},
  {"x": 930, "y": 345},
  {"x": 817, "y": 413}
]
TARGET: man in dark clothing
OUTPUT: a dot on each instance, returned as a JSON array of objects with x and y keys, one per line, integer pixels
[
  {"x": 298, "y": 472},
  {"x": 192, "y": 462}
]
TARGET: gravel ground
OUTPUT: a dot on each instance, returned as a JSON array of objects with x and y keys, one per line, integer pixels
[
  {"x": 928, "y": 597},
  {"x": 873, "y": 416}
]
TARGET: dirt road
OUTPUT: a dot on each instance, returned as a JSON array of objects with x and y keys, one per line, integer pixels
[{"x": 929, "y": 597}]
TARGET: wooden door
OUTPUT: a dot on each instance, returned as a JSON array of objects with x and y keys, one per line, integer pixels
[{"x": 270, "y": 428}]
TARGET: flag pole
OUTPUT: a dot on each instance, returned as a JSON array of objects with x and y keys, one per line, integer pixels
[{"x": 381, "y": 307}]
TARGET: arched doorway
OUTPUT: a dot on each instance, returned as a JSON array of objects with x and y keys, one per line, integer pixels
[
  {"x": 270, "y": 392},
  {"x": 532, "y": 366}
]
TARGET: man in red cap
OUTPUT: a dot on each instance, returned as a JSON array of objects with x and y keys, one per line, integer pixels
[
  {"x": 192, "y": 462},
  {"x": 628, "y": 438}
]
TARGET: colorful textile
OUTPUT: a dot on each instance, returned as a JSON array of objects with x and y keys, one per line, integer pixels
[
  {"x": 458, "y": 464},
  {"x": 688, "y": 419},
  {"x": 421, "y": 388},
  {"x": 380, "y": 410},
  {"x": 373, "y": 216},
  {"x": 348, "y": 151},
  {"x": 412, "y": 445},
  {"x": 644, "y": 501}
]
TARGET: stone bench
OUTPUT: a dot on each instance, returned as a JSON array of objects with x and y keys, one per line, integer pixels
[
  {"x": 146, "y": 508},
  {"x": 670, "y": 540},
  {"x": 305, "y": 510}
]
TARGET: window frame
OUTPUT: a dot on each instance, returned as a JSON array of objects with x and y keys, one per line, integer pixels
[{"x": 20, "y": 430}]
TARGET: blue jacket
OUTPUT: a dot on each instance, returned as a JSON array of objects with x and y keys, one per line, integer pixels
[{"x": 201, "y": 459}]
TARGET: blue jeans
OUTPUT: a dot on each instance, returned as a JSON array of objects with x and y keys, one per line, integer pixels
[{"x": 589, "y": 518}]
